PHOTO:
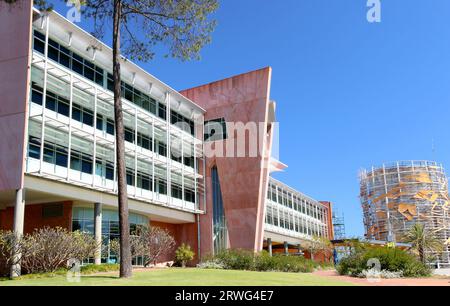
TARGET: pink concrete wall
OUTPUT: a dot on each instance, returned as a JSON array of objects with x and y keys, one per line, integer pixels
[
  {"x": 243, "y": 98},
  {"x": 15, "y": 35}
]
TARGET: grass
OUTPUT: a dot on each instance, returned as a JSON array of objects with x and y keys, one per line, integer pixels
[{"x": 185, "y": 277}]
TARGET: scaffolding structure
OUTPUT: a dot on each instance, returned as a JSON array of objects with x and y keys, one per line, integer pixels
[
  {"x": 398, "y": 195},
  {"x": 338, "y": 226}
]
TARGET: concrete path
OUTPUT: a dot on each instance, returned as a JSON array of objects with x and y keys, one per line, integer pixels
[{"x": 432, "y": 281}]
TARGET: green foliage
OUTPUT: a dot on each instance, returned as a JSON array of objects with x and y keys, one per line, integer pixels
[
  {"x": 184, "y": 254},
  {"x": 391, "y": 259},
  {"x": 237, "y": 259},
  {"x": 91, "y": 269},
  {"x": 423, "y": 242},
  {"x": 184, "y": 27},
  {"x": 263, "y": 262}
]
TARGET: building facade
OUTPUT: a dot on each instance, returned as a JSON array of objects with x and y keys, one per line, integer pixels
[
  {"x": 396, "y": 196},
  {"x": 186, "y": 168}
]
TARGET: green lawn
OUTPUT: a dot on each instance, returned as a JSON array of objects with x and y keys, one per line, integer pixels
[{"x": 187, "y": 277}]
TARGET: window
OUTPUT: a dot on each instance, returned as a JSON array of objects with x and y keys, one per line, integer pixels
[
  {"x": 99, "y": 122},
  {"x": 69, "y": 59},
  {"x": 110, "y": 127},
  {"x": 144, "y": 182},
  {"x": 189, "y": 195},
  {"x": 88, "y": 117},
  {"x": 182, "y": 122},
  {"x": 63, "y": 107},
  {"x": 177, "y": 192},
  {"x": 162, "y": 111},
  {"x": 50, "y": 102},
  {"x": 162, "y": 149},
  {"x": 52, "y": 211},
  {"x": 34, "y": 147},
  {"x": 215, "y": 130},
  {"x": 36, "y": 94},
  {"x": 129, "y": 135},
  {"x": 219, "y": 221},
  {"x": 162, "y": 186},
  {"x": 81, "y": 162},
  {"x": 39, "y": 42},
  {"x": 130, "y": 177}
]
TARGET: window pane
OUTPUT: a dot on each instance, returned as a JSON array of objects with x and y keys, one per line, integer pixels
[
  {"x": 88, "y": 118},
  {"x": 61, "y": 159},
  {"x": 36, "y": 97},
  {"x": 76, "y": 114},
  {"x": 63, "y": 108}
]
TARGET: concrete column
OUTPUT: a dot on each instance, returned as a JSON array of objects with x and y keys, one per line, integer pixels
[
  {"x": 98, "y": 232},
  {"x": 299, "y": 248},
  {"x": 19, "y": 217},
  {"x": 269, "y": 246},
  {"x": 286, "y": 248}
]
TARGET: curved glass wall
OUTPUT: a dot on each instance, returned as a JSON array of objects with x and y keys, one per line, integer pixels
[{"x": 219, "y": 221}]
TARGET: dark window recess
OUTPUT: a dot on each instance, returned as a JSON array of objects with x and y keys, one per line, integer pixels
[
  {"x": 215, "y": 130},
  {"x": 129, "y": 135},
  {"x": 34, "y": 147},
  {"x": 36, "y": 94},
  {"x": 52, "y": 210},
  {"x": 162, "y": 187},
  {"x": 88, "y": 117},
  {"x": 162, "y": 149},
  {"x": 162, "y": 111},
  {"x": 182, "y": 122},
  {"x": 99, "y": 123},
  {"x": 110, "y": 127}
]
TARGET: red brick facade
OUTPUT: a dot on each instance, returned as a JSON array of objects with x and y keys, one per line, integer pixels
[{"x": 34, "y": 218}]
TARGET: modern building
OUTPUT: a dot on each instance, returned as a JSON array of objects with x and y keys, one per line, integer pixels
[
  {"x": 398, "y": 195},
  {"x": 293, "y": 218},
  {"x": 187, "y": 170}
]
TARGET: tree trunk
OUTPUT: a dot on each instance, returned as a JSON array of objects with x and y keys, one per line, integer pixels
[
  {"x": 421, "y": 254},
  {"x": 124, "y": 227}
]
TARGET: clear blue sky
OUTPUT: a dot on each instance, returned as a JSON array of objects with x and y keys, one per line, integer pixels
[{"x": 350, "y": 94}]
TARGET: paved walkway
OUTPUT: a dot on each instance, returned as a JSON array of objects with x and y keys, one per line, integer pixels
[{"x": 432, "y": 281}]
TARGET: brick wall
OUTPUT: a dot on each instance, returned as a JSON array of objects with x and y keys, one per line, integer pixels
[
  {"x": 34, "y": 218},
  {"x": 182, "y": 233}
]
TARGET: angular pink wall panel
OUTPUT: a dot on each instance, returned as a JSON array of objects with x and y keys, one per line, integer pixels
[
  {"x": 243, "y": 98},
  {"x": 15, "y": 34}
]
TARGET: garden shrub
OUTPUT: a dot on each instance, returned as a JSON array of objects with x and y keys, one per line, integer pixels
[
  {"x": 150, "y": 243},
  {"x": 184, "y": 254},
  {"x": 237, "y": 259},
  {"x": 48, "y": 249},
  {"x": 262, "y": 262},
  {"x": 391, "y": 260}
]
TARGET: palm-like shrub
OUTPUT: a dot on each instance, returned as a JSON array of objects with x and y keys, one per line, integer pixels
[{"x": 422, "y": 241}]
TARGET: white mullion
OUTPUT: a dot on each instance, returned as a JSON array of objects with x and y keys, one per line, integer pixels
[
  {"x": 204, "y": 164},
  {"x": 135, "y": 149},
  {"x": 115, "y": 160},
  {"x": 44, "y": 93},
  {"x": 94, "y": 156},
  {"x": 182, "y": 170},
  {"x": 168, "y": 151},
  {"x": 278, "y": 207},
  {"x": 153, "y": 161},
  {"x": 195, "y": 173},
  {"x": 69, "y": 149}
]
